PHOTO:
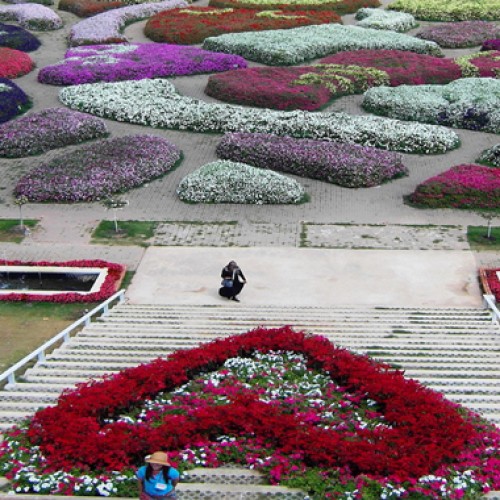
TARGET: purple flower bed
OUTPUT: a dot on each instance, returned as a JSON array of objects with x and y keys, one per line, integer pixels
[
  {"x": 347, "y": 165},
  {"x": 464, "y": 186},
  {"x": 461, "y": 34},
  {"x": 31, "y": 16},
  {"x": 17, "y": 38},
  {"x": 48, "y": 129},
  {"x": 493, "y": 44},
  {"x": 117, "y": 62},
  {"x": 13, "y": 101},
  {"x": 100, "y": 169}
]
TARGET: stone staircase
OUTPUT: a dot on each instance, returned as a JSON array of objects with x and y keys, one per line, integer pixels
[{"x": 454, "y": 351}]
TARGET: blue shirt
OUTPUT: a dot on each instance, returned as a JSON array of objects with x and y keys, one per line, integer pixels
[{"x": 156, "y": 485}]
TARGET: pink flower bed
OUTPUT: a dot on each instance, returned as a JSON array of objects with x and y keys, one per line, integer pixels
[
  {"x": 463, "y": 186},
  {"x": 460, "y": 34},
  {"x": 108, "y": 287},
  {"x": 14, "y": 63},
  {"x": 493, "y": 44}
]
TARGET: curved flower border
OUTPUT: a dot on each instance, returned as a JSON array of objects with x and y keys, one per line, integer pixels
[{"x": 108, "y": 288}]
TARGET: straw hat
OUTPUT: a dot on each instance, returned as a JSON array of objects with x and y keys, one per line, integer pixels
[{"x": 158, "y": 457}]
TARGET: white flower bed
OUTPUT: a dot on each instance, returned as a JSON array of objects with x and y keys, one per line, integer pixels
[
  {"x": 31, "y": 16},
  {"x": 107, "y": 27},
  {"x": 231, "y": 182},
  {"x": 294, "y": 46},
  {"x": 379, "y": 19},
  {"x": 155, "y": 103},
  {"x": 471, "y": 103}
]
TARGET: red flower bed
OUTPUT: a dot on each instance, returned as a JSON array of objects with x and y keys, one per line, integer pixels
[
  {"x": 412, "y": 443},
  {"x": 14, "y": 63},
  {"x": 108, "y": 287},
  {"x": 488, "y": 65},
  {"x": 341, "y": 7},
  {"x": 463, "y": 186},
  {"x": 87, "y": 8},
  {"x": 403, "y": 68},
  {"x": 194, "y": 24},
  {"x": 493, "y": 282}
]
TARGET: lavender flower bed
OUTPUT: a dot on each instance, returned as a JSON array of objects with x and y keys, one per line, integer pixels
[
  {"x": 491, "y": 156},
  {"x": 13, "y": 101},
  {"x": 460, "y": 34},
  {"x": 107, "y": 27},
  {"x": 48, "y": 129},
  {"x": 17, "y": 38},
  {"x": 347, "y": 165},
  {"x": 230, "y": 182},
  {"x": 98, "y": 170},
  {"x": 493, "y": 44},
  {"x": 111, "y": 63},
  {"x": 43, "y": 2},
  {"x": 31, "y": 16}
]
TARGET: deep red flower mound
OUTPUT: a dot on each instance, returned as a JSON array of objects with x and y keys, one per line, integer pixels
[
  {"x": 487, "y": 64},
  {"x": 14, "y": 63},
  {"x": 108, "y": 287},
  {"x": 403, "y": 68},
  {"x": 341, "y": 7},
  {"x": 87, "y": 8},
  {"x": 462, "y": 186},
  {"x": 194, "y": 24},
  {"x": 75, "y": 433},
  {"x": 493, "y": 282}
]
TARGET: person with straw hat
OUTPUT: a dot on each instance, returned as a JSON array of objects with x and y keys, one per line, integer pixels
[{"x": 158, "y": 479}]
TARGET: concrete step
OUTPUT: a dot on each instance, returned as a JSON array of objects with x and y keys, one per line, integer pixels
[{"x": 223, "y": 475}]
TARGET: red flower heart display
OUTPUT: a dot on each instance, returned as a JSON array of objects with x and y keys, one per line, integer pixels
[{"x": 77, "y": 434}]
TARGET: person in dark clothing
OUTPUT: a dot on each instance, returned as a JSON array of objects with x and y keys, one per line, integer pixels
[{"x": 233, "y": 281}]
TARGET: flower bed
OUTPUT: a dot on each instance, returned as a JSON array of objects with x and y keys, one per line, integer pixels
[
  {"x": 112, "y": 63},
  {"x": 14, "y": 63},
  {"x": 109, "y": 286},
  {"x": 403, "y": 68},
  {"x": 493, "y": 44},
  {"x": 341, "y": 7},
  {"x": 347, "y": 165},
  {"x": 100, "y": 169},
  {"x": 485, "y": 64},
  {"x": 161, "y": 106},
  {"x": 31, "y": 16},
  {"x": 365, "y": 433},
  {"x": 491, "y": 156},
  {"x": 194, "y": 24},
  {"x": 385, "y": 20},
  {"x": 464, "y": 186},
  {"x": 13, "y": 101},
  {"x": 491, "y": 282},
  {"x": 231, "y": 182},
  {"x": 88, "y": 8},
  {"x": 42, "y": 2},
  {"x": 459, "y": 35},
  {"x": 48, "y": 129},
  {"x": 298, "y": 87},
  {"x": 107, "y": 27},
  {"x": 451, "y": 10},
  {"x": 17, "y": 38},
  {"x": 294, "y": 46},
  {"x": 469, "y": 103}
]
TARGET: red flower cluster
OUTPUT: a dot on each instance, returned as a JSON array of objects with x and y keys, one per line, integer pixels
[
  {"x": 14, "y": 63},
  {"x": 75, "y": 434},
  {"x": 493, "y": 282},
  {"x": 341, "y": 7},
  {"x": 87, "y": 8},
  {"x": 194, "y": 24},
  {"x": 108, "y": 288}
]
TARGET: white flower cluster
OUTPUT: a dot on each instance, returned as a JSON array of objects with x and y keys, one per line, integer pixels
[
  {"x": 31, "y": 16},
  {"x": 294, "y": 46},
  {"x": 230, "y": 182},
  {"x": 379, "y": 19},
  {"x": 472, "y": 103},
  {"x": 108, "y": 26},
  {"x": 156, "y": 103}
]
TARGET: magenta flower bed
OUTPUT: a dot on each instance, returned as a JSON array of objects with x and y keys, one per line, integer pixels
[
  {"x": 109, "y": 286},
  {"x": 460, "y": 34},
  {"x": 347, "y": 165},
  {"x": 493, "y": 44},
  {"x": 403, "y": 68},
  {"x": 112, "y": 63},
  {"x": 463, "y": 186},
  {"x": 97, "y": 170}
]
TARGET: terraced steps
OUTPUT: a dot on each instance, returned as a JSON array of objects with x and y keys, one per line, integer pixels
[{"x": 455, "y": 350}]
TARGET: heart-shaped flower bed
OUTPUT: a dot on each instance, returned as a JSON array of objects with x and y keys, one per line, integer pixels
[{"x": 406, "y": 443}]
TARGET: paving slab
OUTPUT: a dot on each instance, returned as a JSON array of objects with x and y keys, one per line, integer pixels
[{"x": 309, "y": 277}]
